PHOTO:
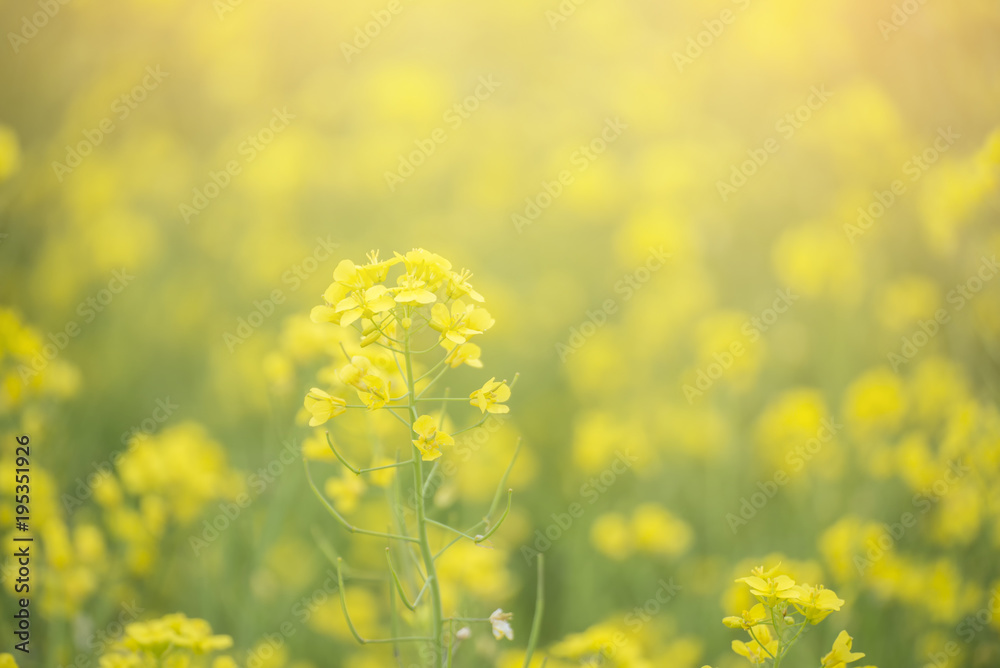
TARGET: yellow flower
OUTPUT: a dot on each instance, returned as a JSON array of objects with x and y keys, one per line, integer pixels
[
  {"x": 322, "y": 406},
  {"x": 816, "y": 603},
  {"x": 459, "y": 286},
  {"x": 759, "y": 650},
  {"x": 364, "y": 304},
  {"x": 748, "y": 619},
  {"x": 611, "y": 534},
  {"x": 7, "y": 661},
  {"x": 412, "y": 290},
  {"x": 429, "y": 440},
  {"x": 315, "y": 448},
  {"x": 466, "y": 353},
  {"x": 770, "y": 590},
  {"x": 171, "y": 632},
  {"x": 426, "y": 266},
  {"x": 461, "y": 322},
  {"x": 382, "y": 477},
  {"x": 377, "y": 393},
  {"x": 351, "y": 276},
  {"x": 490, "y": 397},
  {"x": 346, "y": 491},
  {"x": 376, "y": 271},
  {"x": 359, "y": 374},
  {"x": 841, "y": 654}
]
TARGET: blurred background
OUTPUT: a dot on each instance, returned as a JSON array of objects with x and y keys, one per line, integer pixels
[{"x": 749, "y": 245}]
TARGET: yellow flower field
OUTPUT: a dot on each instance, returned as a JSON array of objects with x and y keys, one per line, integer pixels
[{"x": 571, "y": 333}]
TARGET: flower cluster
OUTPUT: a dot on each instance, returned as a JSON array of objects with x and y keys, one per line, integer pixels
[
  {"x": 783, "y": 610},
  {"x": 427, "y": 295},
  {"x": 173, "y": 640}
]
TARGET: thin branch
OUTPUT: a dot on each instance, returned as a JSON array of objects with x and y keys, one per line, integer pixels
[
  {"x": 339, "y": 456},
  {"x": 503, "y": 480},
  {"x": 433, "y": 380},
  {"x": 332, "y": 556},
  {"x": 340, "y": 518},
  {"x": 354, "y": 631},
  {"x": 486, "y": 416},
  {"x": 451, "y": 528},
  {"x": 386, "y": 466},
  {"x": 399, "y": 585},
  {"x": 480, "y": 539},
  {"x": 445, "y": 548},
  {"x": 430, "y": 476}
]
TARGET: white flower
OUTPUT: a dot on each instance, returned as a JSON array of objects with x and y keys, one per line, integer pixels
[
  {"x": 501, "y": 625},
  {"x": 463, "y": 633}
]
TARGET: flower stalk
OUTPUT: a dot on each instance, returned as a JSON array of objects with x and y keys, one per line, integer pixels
[{"x": 387, "y": 373}]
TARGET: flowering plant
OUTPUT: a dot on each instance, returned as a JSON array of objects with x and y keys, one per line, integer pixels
[{"x": 427, "y": 310}]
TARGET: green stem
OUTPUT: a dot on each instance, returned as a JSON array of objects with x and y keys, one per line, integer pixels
[
  {"x": 536, "y": 623},
  {"x": 425, "y": 545},
  {"x": 350, "y": 623}
]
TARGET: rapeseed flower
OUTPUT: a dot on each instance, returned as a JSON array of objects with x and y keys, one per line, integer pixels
[
  {"x": 429, "y": 439},
  {"x": 322, "y": 406},
  {"x": 491, "y": 396}
]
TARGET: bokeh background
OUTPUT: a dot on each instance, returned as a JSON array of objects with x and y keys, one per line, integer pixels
[{"x": 170, "y": 169}]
